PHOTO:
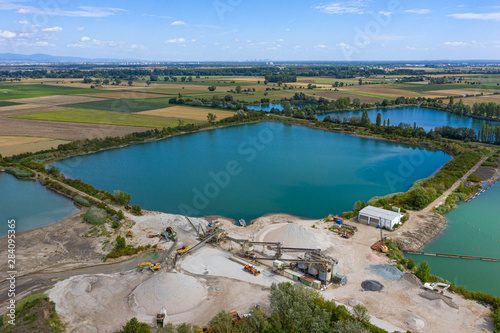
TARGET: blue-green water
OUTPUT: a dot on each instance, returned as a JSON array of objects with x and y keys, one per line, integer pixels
[
  {"x": 250, "y": 170},
  {"x": 30, "y": 204},
  {"x": 279, "y": 106},
  {"x": 426, "y": 118},
  {"x": 473, "y": 229}
]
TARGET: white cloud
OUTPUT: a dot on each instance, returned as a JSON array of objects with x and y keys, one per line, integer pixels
[
  {"x": 418, "y": 11},
  {"x": 178, "y": 23},
  {"x": 7, "y": 34},
  {"x": 281, "y": 40},
  {"x": 455, "y": 44},
  {"x": 84, "y": 39},
  {"x": 52, "y": 29},
  {"x": 23, "y": 22},
  {"x": 411, "y": 48},
  {"x": 193, "y": 40},
  {"x": 385, "y": 13},
  {"x": 87, "y": 42},
  {"x": 80, "y": 28},
  {"x": 320, "y": 46},
  {"x": 36, "y": 44},
  {"x": 477, "y": 16},
  {"x": 86, "y": 11},
  {"x": 175, "y": 40},
  {"x": 343, "y": 7}
]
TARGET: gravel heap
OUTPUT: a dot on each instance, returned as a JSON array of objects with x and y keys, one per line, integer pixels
[
  {"x": 387, "y": 272},
  {"x": 415, "y": 323},
  {"x": 175, "y": 292},
  {"x": 372, "y": 285},
  {"x": 293, "y": 235}
]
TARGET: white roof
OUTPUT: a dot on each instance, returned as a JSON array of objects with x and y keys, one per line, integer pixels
[{"x": 379, "y": 212}]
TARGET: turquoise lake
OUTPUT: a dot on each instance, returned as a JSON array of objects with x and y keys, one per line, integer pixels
[
  {"x": 250, "y": 170},
  {"x": 30, "y": 204},
  {"x": 473, "y": 229},
  {"x": 426, "y": 118}
]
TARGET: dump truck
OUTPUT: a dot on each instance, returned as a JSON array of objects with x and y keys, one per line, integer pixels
[
  {"x": 183, "y": 249},
  {"x": 145, "y": 264},
  {"x": 251, "y": 269},
  {"x": 160, "y": 317},
  {"x": 235, "y": 317}
]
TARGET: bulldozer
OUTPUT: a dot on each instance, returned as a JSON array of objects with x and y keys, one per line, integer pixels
[
  {"x": 252, "y": 270},
  {"x": 145, "y": 264},
  {"x": 129, "y": 233}
]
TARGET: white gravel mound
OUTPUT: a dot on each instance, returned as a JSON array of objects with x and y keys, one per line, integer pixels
[
  {"x": 291, "y": 235},
  {"x": 175, "y": 292},
  {"x": 415, "y": 323}
]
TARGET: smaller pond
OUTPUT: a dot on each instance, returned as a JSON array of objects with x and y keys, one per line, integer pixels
[{"x": 30, "y": 204}]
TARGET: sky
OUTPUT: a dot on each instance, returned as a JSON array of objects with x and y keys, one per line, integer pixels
[{"x": 243, "y": 30}]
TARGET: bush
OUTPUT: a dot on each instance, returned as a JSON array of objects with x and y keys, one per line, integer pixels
[
  {"x": 81, "y": 201},
  {"x": 95, "y": 215},
  {"x": 473, "y": 178},
  {"x": 423, "y": 271},
  {"x": 18, "y": 172},
  {"x": 122, "y": 197},
  {"x": 134, "y": 326},
  {"x": 410, "y": 264}
]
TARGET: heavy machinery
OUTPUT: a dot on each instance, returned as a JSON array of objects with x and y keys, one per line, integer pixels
[
  {"x": 235, "y": 317},
  {"x": 183, "y": 249},
  {"x": 249, "y": 268},
  {"x": 273, "y": 246},
  {"x": 436, "y": 287},
  {"x": 204, "y": 329},
  {"x": 129, "y": 233},
  {"x": 169, "y": 234},
  {"x": 160, "y": 317},
  {"x": 155, "y": 267},
  {"x": 145, "y": 264}
]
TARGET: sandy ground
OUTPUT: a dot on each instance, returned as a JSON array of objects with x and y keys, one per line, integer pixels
[
  {"x": 332, "y": 95},
  {"x": 187, "y": 113},
  {"x": 206, "y": 281},
  {"x": 12, "y": 145},
  {"x": 57, "y": 99},
  {"x": 17, "y": 110}
]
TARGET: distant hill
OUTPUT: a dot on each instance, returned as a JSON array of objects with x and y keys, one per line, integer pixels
[{"x": 40, "y": 57}]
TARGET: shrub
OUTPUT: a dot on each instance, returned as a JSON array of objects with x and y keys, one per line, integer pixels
[
  {"x": 81, "y": 201},
  {"x": 473, "y": 178},
  {"x": 411, "y": 264},
  {"x": 423, "y": 271},
  {"x": 95, "y": 215},
  {"x": 18, "y": 172}
]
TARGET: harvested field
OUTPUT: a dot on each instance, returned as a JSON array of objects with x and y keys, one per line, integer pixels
[
  {"x": 124, "y": 105},
  {"x": 12, "y": 145},
  {"x": 471, "y": 100},
  {"x": 65, "y": 131},
  {"x": 455, "y": 92},
  {"x": 334, "y": 95},
  {"x": 104, "y": 117},
  {"x": 187, "y": 112},
  {"x": 57, "y": 99},
  {"x": 380, "y": 91},
  {"x": 23, "y": 109},
  {"x": 121, "y": 94}
]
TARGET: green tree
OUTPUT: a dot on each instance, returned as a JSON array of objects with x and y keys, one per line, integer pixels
[
  {"x": 379, "y": 119},
  {"x": 411, "y": 264},
  {"x": 134, "y": 326},
  {"x": 211, "y": 88},
  {"x": 365, "y": 120},
  {"x": 423, "y": 271},
  {"x": 211, "y": 118},
  {"x": 296, "y": 308},
  {"x": 185, "y": 328},
  {"x": 238, "y": 89},
  {"x": 130, "y": 82},
  {"x": 349, "y": 326},
  {"x": 121, "y": 243},
  {"x": 222, "y": 322},
  {"x": 360, "y": 313},
  {"x": 356, "y": 102},
  {"x": 122, "y": 197},
  {"x": 360, "y": 81}
]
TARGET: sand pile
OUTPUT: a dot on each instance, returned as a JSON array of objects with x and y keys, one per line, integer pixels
[
  {"x": 174, "y": 291},
  {"x": 411, "y": 278},
  {"x": 292, "y": 235},
  {"x": 415, "y": 323},
  {"x": 388, "y": 272},
  {"x": 372, "y": 285}
]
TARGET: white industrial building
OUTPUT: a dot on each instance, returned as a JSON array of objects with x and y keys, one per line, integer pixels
[{"x": 378, "y": 216}]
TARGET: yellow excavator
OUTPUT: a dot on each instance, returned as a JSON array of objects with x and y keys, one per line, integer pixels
[
  {"x": 155, "y": 267},
  {"x": 145, "y": 264}
]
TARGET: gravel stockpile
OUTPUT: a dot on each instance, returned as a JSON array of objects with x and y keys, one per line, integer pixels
[
  {"x": 372, "y": 285},
  {"x": 387, "y": 272},
  {"x": 415, "y": 323},
  {"x": 292, "y": 235},
  {"x": 175, "y": 292}
]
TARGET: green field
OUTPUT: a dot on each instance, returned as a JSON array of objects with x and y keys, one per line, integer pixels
[
  {"x": 106, "y": 118},
  {"x": 38, "y": 90},
  {"x": 433, "y": 87},
  {"x": 125, "y": 105},
  {"x": 4, "y": 103}
]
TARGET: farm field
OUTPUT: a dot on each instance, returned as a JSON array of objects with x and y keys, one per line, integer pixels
[
  {"x": 16, "y": 91},
  {"x": 187, "y": 112},
  {"x": 124, "y": 105},
  {"x": 105, "y": 118},
  {"x": 11, "y": 145}
]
